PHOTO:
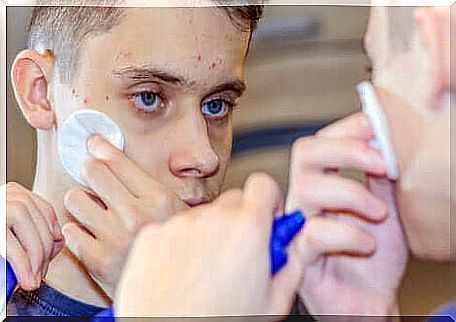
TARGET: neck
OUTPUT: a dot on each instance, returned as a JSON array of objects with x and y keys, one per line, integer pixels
[{"x": 65, "y": 273}]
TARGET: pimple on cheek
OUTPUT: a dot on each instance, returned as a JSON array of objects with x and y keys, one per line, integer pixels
[{"x": 74, "y": 93}]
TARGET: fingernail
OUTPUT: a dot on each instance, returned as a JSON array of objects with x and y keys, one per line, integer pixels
[{"x": 93, "y": 145}]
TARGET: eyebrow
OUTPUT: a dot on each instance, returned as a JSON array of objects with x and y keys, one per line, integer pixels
[
  {"x": 150, "y": 73},
  {"x": 155, "y": 74},
  {"x": 237, "y": 86}
]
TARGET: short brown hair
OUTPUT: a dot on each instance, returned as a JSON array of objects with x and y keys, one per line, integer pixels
[{"x": 61, "y": 27}]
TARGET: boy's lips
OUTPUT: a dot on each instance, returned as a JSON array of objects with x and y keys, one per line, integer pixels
[{"x": 196, "y": 201}]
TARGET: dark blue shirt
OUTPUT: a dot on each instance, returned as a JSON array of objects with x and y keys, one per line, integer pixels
[{"x": 446, "y": 313}]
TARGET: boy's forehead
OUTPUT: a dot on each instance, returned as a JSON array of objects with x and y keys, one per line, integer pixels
[{"x": 186, "y": 39}]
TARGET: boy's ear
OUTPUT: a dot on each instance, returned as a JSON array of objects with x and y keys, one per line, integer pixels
[
  {"x": 31, "y": 75},
  {"x": 433, "y": 26}
]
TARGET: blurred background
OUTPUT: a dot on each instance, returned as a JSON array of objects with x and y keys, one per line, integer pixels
[{"x": 301, "y": 74}]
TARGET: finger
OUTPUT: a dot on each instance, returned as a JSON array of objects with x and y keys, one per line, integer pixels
[
  {"x": 355, "y": 126},
  {"x": 133, "y": 177},
  {"x": 132, "y": 212},
  {"x": 316, "y": 193},
  {"x": 82, "y": 245},
  {"x": 383, "y": 189},
  {"x": 16, "y": 193},
  {"x": 262, "y": 197},
  {"x": 50, "y": 216},
  {"x": 48, "y": 212},
  {"x": 330, "y": 153},
  {"x": 20, "y": 263},
  {"x": 47, "y": 238},
  {"x": 230, "y": 199},
  {"x": 323, "y": 236},
  {"x": 97, "y": 220},
  {"x": 105, "y": 184},
  {"x": 22, "y": 225}
]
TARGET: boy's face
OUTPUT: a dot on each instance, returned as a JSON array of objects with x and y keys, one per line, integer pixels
[
  {"x": 421, "y": 143},
  {"x": 170, "y": 78}
]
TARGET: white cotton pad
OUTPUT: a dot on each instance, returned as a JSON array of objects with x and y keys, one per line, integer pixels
[
  {"x": 74, "y": 133},
  {"x": 371, "y": 107}
]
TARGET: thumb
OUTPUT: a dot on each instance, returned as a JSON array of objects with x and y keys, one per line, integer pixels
[
  {"x": 262, "y": 197},
  {"x": 384, "y": 189}
]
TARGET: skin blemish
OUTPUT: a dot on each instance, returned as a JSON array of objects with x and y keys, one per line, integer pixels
[
  {"x": 122, "y": 55},
  {"x": 85, "y": 101},
  {"x": 107, "y": 97},
  {"x": 199, "y": 58}
]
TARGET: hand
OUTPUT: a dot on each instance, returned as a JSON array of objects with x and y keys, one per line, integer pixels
[
  {"x": 210, "y": 260},
  {"x": 214, "y": 259},
  {"x": 123, "y": 200},
  {"x": 33, "y": 235},
  {"x": 339, "y": 284}
]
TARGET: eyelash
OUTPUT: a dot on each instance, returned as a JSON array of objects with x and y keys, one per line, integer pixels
[
  {"x": 231, "y": 107},
  {"x": 143, "y": 111}
]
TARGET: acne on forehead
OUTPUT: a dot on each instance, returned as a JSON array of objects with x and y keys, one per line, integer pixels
[
  {"x": 121, "y": 55},
  {"x": 206, "y": 60},
  {"x": 170, "y": 29}
]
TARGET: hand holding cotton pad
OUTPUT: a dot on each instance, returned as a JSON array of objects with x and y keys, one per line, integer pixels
[
  {"x": 371, "y": 107},
  {"x": 73, "y": 136}
]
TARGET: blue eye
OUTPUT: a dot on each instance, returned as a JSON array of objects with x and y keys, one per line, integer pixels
[
  {"x": 216, "y": 108},
  {"x": 147, "y": 101}
]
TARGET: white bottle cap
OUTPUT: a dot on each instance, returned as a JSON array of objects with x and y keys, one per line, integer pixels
[
  {"x": 372, "y": 108},
  {"x": 73, "y": 136}
]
